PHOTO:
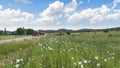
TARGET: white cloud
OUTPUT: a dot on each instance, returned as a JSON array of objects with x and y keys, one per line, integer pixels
[
  {"x": 14, "y": 16},
  {"x": 1, "y": 7},
  {"x": 101, "y": 13},
  {"x": 95, "y": 15},
  {"x": 56, "y": 10},
  {"x": 96, "y": 18},
  {"x": 104, "y": 9},
  {"x": 81, "y": 2},
  {"x": 53, "y": 12},
  {"x": 115, "y": 15},
  {"x": 70, "y": 7},
  {"x": 92, "y": 15},
  {"x": 76, "y": 17},
  {"x": 24, "y": 1},
  {"x": 115, "y": 3}
]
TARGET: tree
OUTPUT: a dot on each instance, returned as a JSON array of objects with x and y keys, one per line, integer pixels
[
  {"x": 20, "y": 31},
  {"x": 5, "y": 32},
  {"x": 68, "y": 33},
  {"x": 1, "y": 32},
  {"x": 29, "y": 31},
  {"x": 106, "y": 31}
]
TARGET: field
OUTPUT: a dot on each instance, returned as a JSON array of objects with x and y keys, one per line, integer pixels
[
  {"x": 78, "y": 50},
  {"x": 4, "y": 37},
  {"x": 8, "y": 50}
]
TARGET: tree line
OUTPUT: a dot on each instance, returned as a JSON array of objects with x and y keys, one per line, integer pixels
[
  {"x": 23, "y": 31},
  {"x": 19, "y": 31}
]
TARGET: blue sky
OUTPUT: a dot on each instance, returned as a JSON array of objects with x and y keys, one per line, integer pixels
[{"x": 57, "y": 14}]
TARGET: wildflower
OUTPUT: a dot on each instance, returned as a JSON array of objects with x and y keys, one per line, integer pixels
[
  {"x": 112, "y": 57},
  {"x": 96, "y": 57},
  {"x": 107, "y": 51},
  {"x": 17, "y": 66},
  {"x": 21, "y": 59},
  {"x": 98, "y": 64},
  {"x": 105, "y": 60},
  {"x": 85, "y": 61},
  {"x": 82, "y": 66},
  {"x": 113, "y": 53},
  {"x": 29, "y": 58},
  {"x": 50, "y": 48},
  {"x": 11, "y": 54},
  {"x": 75, "y": 64},
  {"x": 40, "y": 44},
  {"x": 72, "y": 57},
  {"x": 79, "y": 62},
  {"x": 3, "y": 63},
  {"x": 11, "y": 62},
  {"x": 88, "y": 60},
  {"x": 17, "y": 61}
]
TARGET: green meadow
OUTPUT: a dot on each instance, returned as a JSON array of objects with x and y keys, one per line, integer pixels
[
  {"x": 77, "y": 50},
  {"x": 10, "y": 49}
]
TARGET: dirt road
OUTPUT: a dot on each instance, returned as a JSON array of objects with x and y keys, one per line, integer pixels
[{"x": 18, "y": 39}]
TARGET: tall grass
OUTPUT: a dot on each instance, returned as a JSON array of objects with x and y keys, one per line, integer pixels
[
  {"x": 9, "y": 50},
  {"x": 87, "y": 50}
]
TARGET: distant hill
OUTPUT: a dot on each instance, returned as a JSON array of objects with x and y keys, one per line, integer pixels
[
  {"x": 81, "y": 30},
  {"x": 65, "y": 30}
]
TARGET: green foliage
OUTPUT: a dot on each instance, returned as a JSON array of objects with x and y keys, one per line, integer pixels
[
  {"x": 20, "y": 31},
  {"x": 106, "y": 31},
  {"x": 68, "y": 33},
  {"x": 1, "y": 32},
  {"x": 72, "y": 51},
  {"x": 29, "y": 31},
  {"x": 15, "y": 47}
]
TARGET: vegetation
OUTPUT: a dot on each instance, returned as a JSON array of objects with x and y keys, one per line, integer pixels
[
  {"x": 20, "y": 31},
  {"x": 68, "y": 33},
  {"x": 23, "y": 31},
  {"x": 4, "y": 37},
  {"x": 29, "y": 31},
  {"x": 78, "y": 50},
  {"x": 9, "y": 50},
  {"x": 106, "y": 31}
]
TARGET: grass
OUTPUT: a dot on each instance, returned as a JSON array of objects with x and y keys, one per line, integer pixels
[
  {"x": 8, "y": 50},
  {"x": 81, "y": 50},
  {"x": 4, "y": 37}
]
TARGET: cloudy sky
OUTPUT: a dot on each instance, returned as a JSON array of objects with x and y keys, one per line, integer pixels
[{"x": 57, "y": 14}]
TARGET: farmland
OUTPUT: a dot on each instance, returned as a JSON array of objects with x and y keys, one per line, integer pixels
[{"x": 77, "y": 50}]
